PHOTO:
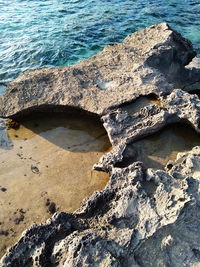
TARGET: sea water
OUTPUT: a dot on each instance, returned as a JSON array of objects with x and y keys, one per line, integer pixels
[{"x": 38, "y": 33}]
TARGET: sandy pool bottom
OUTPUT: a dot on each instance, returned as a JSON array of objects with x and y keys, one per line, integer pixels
[
  {"x": 158, "y": 149},
  {"x": 48, "y": 168}
]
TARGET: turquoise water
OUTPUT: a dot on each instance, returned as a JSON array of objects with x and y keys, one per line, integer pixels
[{"x": 37, "y": 33}]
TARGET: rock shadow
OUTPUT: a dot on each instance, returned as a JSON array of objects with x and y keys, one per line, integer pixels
[
  {"x": 156, "y": 150},
  {"x": 71, "y": 130}
]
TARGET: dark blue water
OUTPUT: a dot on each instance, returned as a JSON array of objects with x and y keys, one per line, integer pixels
[{"x": 37, "y": 33}]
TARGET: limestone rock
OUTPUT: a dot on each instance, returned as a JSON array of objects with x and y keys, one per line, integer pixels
[
  {"x": 148, "y": 61},
  {"x": 139, "y": 211},
  {"x": 177, "y": 106}
]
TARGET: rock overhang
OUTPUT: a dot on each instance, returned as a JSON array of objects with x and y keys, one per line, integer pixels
[{"x": 149, "y": 61}]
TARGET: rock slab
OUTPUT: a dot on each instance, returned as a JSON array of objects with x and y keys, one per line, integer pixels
[{"x": 149, "y": 61}]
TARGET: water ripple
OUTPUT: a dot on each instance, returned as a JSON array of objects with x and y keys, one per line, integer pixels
[{"x": 56, "y": 33}]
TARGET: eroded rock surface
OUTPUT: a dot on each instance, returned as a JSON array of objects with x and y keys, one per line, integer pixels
[
  {"x": 144, "y": 216},
  {"x": 151, "y": 60},
  {"x": 177, "y": 106}
]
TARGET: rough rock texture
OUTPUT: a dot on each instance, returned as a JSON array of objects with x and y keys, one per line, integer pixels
[
  {"x": 192, "y": 74},
  {"x": 151, "y": 60},
  {"x": 176, "y": 107},
  {"x": 124, "y": 129},
  {"x": 143, "y": 217}
]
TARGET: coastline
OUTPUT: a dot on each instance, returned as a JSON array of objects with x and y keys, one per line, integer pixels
[{"x": 138, "y": 218}]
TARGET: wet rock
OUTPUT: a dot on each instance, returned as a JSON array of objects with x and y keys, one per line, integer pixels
[
  {"x": 19, "y": 216},
  {"x": 144, "y": 216},
  {"x": 177, "y": 106},
  {"x": 35, "y": 169},
  {"x": 52, "y": 207},
  {"x": 3, "y": 189},
  {"x": 19, "y": 219},
  {"x": 149, "y": 61},
  {"x": 47, "y": 202},
  {"x": 13, "y": 124},
  {"x": 5, "y": 233}
]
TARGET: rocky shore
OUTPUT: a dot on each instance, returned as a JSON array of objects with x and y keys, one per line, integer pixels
[{"x": 144, "y": 216}]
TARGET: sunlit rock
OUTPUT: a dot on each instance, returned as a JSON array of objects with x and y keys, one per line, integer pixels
[{"x": 149, "y": 61}]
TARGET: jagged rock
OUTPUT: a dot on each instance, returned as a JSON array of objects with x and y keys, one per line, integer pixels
[
  {"x": 132, "y": 222},
  {"x": 176, "y": 107},
  {"x": 148, "y": 61},
  {"x": 143, "y": 217}
]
